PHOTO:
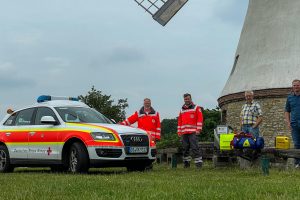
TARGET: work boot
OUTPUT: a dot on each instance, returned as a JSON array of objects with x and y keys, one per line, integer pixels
[{"x": 186, "y": 164}]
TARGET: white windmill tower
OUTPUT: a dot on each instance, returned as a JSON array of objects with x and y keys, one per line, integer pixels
[{"x": 266, "y": 61}]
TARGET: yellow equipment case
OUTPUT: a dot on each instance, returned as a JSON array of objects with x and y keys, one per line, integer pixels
[
  {"x": 282, "y": 142},
  {"x": 225, "y": 140}
]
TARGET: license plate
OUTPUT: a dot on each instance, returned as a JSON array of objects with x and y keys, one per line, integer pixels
[{"x": 138, "y": 149}]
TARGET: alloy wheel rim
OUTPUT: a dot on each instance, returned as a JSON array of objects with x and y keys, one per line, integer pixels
[
  {"x": 2, "y": 159},
  {"x": 73, "y": 160}
]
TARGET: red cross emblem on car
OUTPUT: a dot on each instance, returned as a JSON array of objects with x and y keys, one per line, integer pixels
[{"x": 49, "y": 151}]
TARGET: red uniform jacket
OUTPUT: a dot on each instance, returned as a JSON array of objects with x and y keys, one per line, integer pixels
[
  {"x": 190, "y": 120},
  {"x": 149, "y": 122}
]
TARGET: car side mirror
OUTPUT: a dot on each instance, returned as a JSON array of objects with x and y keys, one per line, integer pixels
[
  {"x": 48, "y": 120},
  {"x": 114, "y": 121}
]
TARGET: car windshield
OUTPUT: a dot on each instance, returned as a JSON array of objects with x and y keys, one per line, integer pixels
[{"x": 81, "y": 114}]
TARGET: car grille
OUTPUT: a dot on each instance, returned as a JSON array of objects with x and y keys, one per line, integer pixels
[
  {"x": 109, "y": 153},
  {"x": 135, "y": 141},
  {"x": 131, "y": 140}
]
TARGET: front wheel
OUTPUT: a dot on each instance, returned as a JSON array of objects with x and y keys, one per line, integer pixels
[
  {"x": 78, "y": 158},
  {"x": 5, "y": 165}
]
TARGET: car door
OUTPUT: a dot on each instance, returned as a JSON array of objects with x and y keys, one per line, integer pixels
[
  {"x": 17, "y": 127},
  {"x": 43, "y": 141}
]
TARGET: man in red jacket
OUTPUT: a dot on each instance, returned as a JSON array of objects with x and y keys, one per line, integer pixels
[
  {"x": 190, "y": 123},
  {"x": 147, "y": 119}
]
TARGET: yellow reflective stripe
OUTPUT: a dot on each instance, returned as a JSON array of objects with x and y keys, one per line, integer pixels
[
  {"x": 49, "y": 143},
  {"x": 90, "y": 126},
  {"x": 44, "y": 129},
  {"x": 97, "y": 127},
  {"x": 61, "y": 129},
  {"x": 111, "y": 141},
  {"x": 33, "y": 143},
  {"x": 16, "y": 143}
]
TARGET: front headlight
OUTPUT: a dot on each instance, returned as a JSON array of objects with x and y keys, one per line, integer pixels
[{"x": 103, "y": 136}]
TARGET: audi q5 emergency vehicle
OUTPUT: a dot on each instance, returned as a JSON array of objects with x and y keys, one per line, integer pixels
[{"x": 68, "y": 135}]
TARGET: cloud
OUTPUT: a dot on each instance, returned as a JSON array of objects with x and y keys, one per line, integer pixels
[
  {"x": 57, "y": 61},
  {"x": 26, "y": 37},
  {"x": 57, "y": 64},
  {"x": 6, "y": 67},
  {"x": 125, "y": 55},
  {"x": 10, "y": 79},
  {"x": 121, "y": 58},
  {"x": 117, "y": 48},
  {"x": 224, "y": 11},
  {"x": 11, "y": 82}
]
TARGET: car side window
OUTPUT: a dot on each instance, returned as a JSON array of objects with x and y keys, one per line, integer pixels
[
  {"x": 11, "y": 120},
  {"x": 24, "y": 117},
  {"x": 41, "y": 112}
]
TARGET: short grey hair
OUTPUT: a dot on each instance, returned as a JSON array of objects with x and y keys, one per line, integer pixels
[
  {"x": 249, "y": 92},
  {"x": 296, "y": 80}
]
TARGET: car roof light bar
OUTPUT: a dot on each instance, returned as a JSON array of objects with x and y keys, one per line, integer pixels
[{"x": 44, "y": 98}]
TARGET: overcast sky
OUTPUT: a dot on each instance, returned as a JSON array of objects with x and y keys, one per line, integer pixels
[{"x": 64, "y": 47}]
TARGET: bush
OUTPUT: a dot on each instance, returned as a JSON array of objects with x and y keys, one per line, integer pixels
[{"x": 169, "y": 141}]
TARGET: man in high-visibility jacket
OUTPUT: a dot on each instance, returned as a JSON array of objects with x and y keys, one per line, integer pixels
[
  {"x": 147, "y": 119},
  {"x": 190, "y": 123}
]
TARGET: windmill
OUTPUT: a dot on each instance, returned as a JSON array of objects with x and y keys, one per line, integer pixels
[
  {"x": 161, "y": 10},
  {"x": 267, "y": 59}
]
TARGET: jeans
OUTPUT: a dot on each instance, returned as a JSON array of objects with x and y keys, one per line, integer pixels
[
  {"x": 247, "y": 128},
  {"x": 296, "y": 139}
]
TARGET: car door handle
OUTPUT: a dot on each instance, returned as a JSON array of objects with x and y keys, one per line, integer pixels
[
  {"x": 31, "y": 133},
  {"x": 7, "y": 134}
]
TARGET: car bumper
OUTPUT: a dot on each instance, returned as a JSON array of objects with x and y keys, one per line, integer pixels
[{"x": 117, "y": 157}]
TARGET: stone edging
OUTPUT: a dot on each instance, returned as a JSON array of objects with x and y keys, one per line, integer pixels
[{"x": 258, "y": 94}]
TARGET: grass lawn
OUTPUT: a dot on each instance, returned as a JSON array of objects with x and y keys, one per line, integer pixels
[{"x": 161, "y": 183}]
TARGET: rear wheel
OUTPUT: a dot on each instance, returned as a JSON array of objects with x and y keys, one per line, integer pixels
[
  {"x": 78, "y": 158},
  {"x": 5, "y": 165}
]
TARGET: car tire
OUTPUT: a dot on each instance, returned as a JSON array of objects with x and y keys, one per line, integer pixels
[
  {"x": 5, "y": 165},
  {"x": 78, "y": 158}
]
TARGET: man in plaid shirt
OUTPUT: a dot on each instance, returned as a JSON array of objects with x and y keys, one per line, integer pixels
[{"x": 251, "y": 115}]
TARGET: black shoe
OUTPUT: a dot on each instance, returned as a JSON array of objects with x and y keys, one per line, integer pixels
[{"x": 186, "y": 164}]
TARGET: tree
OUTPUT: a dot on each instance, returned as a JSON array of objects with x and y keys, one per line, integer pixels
[
  {"x": 104, "y": 104},
  {"x": 170, "y": 138},
  {"x": 211, "y": 119},
  {"x": 168, "y": 126}
]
